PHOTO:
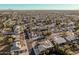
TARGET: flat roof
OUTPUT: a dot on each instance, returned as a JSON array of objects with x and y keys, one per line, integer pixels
[{"x": 59, "y": 40}]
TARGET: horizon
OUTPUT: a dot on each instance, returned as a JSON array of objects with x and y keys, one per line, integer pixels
[{"x": 39, "y": 6}]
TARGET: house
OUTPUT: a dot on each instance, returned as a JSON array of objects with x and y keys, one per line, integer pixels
[
  {"x": 15, "y": 48},
  {"x": 19, "y": 48},
  {"x": 70, "y": 36},
  {"x": 59, "y": 40},
  {"x": 42, "y": 47},
  {"x": 18, "y": 29}
]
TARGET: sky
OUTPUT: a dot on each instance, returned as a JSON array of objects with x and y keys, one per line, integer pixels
[{"x": 39, "y": 6}]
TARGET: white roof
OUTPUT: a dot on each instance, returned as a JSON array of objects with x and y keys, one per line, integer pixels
[
  {"x": 59, "y": 40},
  {"x": 42, "y": 47},
  {"x": 70, "y": 38}
]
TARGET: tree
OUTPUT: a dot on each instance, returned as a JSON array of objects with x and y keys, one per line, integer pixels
[
  {"x": 69, "y": 52},
  {"x": 64, "y": 35}
]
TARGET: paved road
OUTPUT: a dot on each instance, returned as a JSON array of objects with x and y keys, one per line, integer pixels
[{"x": 27, "y": 52}]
